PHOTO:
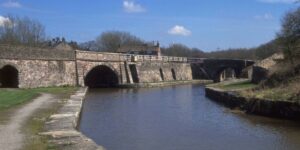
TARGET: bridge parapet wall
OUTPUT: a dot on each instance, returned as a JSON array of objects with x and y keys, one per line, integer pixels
[
  {"x": 97, "y": 56},
  {"x": 33, "y": 53},
  {"x": 103, "y": 56}
]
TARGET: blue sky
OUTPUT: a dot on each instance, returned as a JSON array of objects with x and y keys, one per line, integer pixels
[{"x": 205, "y": 24}]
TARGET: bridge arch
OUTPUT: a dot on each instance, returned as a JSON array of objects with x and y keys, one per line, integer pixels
[
  {"x": 101, "y": 76},
  {"x": 9, "y": 77},
  {"x": 226, "y": 73}
]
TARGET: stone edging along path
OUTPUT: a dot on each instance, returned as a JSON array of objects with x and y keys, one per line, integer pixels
[
  {"x": 61, "y": 128},
  {"x": 264, "y": 107}
]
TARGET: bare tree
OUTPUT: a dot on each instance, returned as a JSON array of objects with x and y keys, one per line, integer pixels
[
  {"x": 111, "y": 40},
  {"x": 182, "y": 51},
  {"x": 289, "y": 35},
  {"x": 22, "y": 31}
]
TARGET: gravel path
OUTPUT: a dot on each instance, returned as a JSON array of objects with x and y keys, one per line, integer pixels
[{"x": 11, "y": 137}]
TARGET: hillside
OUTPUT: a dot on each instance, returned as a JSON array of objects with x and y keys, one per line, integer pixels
[{"x": 282, "y": 83}]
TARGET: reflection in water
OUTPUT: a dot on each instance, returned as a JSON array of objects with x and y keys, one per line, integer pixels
[{"x": 178, "y": 118}]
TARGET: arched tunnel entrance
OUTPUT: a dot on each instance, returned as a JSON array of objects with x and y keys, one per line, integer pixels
[
  {"x": 9, "y": 77},
  {"x": 227, "y": 74},
  {"x": 101, "y": 76}
]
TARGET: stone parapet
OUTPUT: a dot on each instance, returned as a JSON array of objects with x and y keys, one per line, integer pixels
[{"x": 33, "y": 53}]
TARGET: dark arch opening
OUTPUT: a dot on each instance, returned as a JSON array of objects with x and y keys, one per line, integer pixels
[
  {"x": 227, "y": 74},
  {"x": 173, "y": 74},
  {"x": 101, "y": 76},
  {"x": 9, "y": 77},
  {"x": 161, "y": 74}
]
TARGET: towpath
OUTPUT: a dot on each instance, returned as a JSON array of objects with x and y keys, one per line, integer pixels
[{"x": 11, "y": 136}]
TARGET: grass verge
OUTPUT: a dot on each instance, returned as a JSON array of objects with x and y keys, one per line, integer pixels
[
  {"x": 236, "y": 86},
  {"x": 285, "y": 92},
  {"x": 11, "y": 99}
]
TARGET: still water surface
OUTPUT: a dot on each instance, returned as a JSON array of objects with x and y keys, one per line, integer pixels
[{"x": 178, "y": 118}]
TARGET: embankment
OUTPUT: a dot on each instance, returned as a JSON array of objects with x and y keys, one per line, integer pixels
[
  {"x": 264, "y": 107},
  {"x": 61, "y": 128}
]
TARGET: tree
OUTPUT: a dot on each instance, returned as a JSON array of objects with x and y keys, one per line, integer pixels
[
  {"x": 181, "y": 50},
  {"x": 111, "y": 40},
  {"x": 22, "y": 31},
  {"x": 266, "y": 50},
  {"x": 238, "y": 53},
  {"x": 289, "y": 35}
]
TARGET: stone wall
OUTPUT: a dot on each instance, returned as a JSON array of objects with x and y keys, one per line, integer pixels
[
  {"x": 264, "y": 107},
  {"x": 270, "y": 61},
  {"x": 260, "y": 70},
  {"x": 147, "y": 72},
  {"x": 43, "y": 73},
  {"x": 38, "y": 67},
  {"x": 98, "y": 56},
  {"x": 32, "y": 53},
  {"x": 159, "y": 72},
  {"x": 198, "y": 71},
  {"x": 85, "y": 66}
]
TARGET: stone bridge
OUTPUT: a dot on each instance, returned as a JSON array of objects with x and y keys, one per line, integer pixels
[
  {"x": 26, "y": 67},
  {"x": 220, "y": 69}
]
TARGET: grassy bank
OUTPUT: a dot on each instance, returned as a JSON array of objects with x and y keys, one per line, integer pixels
[
  {"x": 13, "y": 97},
  {"x": 235, "y": 85},
  {"x": 289, "y": 91}
]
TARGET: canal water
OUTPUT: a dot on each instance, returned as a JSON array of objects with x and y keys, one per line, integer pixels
[{"x": 178, "y": 118}]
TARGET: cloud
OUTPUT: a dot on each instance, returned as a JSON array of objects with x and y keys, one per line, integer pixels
[
  {"x": 265, "y": 16},
  {"x": 179, "y": 30},
  {"x": 278, "y": 1},
  {"x": 132, "y": 7},
  {"x": 11, "y": 4},
  {"x": 3, "y": 20}
]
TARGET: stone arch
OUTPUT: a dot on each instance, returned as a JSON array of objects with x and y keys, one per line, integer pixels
[
  {"x": 226, "y": 73},
  {"x": 9, "y": 77},
  {"x": 101, "y": 76}
]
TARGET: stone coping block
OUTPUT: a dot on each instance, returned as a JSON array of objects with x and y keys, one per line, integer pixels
[{"x": 61, "y": 127}]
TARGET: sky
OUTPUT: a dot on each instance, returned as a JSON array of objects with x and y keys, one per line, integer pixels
[{"x": 204, "y": 24}]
